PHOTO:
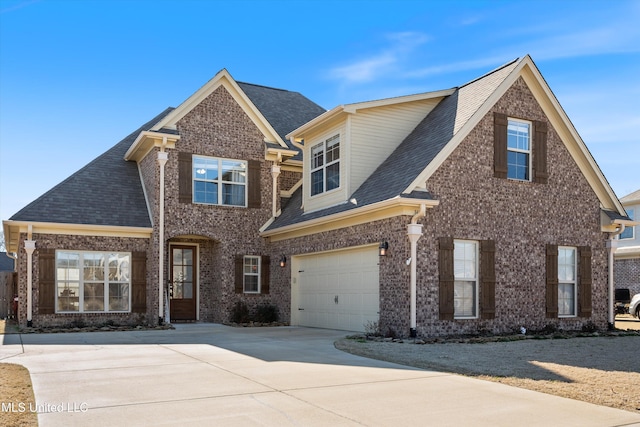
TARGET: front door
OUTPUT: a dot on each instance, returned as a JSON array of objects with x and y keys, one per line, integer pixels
[{"x": 182, "y": 303}]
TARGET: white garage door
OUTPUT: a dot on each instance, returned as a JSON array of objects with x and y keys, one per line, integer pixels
[{"x": 337, "y": 290}]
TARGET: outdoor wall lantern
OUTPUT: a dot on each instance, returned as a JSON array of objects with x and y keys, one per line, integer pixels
[
  {"x": 383, "y": 248},
  {"x": 283, "y": 261}
]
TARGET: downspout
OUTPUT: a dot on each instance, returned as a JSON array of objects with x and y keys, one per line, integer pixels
[
  {"x": 414, "y": 231},
  {"x": 29, "y": 247},
  {"x": 163, "y": 156},
  {"x": 611, "y": 248},
  {"x": 275, "y": 172}
]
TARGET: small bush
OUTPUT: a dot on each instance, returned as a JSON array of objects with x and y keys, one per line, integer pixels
[
  {"x": 372, "y": 329},
  {"x": 550, "y": 329},
  {"x": 589, "y": 327},
  {"x": 240, "y": 313},
  {"x": 78, "y": 323},
  {"x": 266, "y": 313}
]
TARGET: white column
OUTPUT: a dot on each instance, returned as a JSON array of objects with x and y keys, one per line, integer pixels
[
  {"x": 163, "y": 156},
  {"x": 29, "y": 247},
  {"x": 275, "y": 172},
  {"x": 414, "y": 231}
]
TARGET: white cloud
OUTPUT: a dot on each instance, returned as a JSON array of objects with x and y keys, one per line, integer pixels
[{"x": 380, "y": 64}]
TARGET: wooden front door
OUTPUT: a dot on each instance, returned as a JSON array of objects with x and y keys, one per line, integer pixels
[{"x": 182, "y": 303}]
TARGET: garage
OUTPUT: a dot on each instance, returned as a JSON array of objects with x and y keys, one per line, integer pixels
[{"x": 336, "y": 290}]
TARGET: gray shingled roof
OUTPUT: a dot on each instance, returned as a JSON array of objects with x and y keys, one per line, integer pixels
[
  {"x": 615, "y": 215},
  {"x": 6, "y": 263},
  {"x": 283, "y": 109},
  {"x": 107, "y": 191},
  {"x": 413, "y": 155}
]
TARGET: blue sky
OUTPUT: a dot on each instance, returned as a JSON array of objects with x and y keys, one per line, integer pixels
[{"x": 78, "y": 76}]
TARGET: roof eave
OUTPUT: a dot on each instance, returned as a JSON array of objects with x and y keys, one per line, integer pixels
[
  {"x": 384, "y": 209},
  {"x": 147, "y": 140},
  {"x": 13, "y": 229}
]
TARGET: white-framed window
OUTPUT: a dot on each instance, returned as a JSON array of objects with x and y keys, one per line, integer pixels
[
  {"x": 325, "y": 165},
  {"x": 465, "y": 268},
  {"x": 629, "y": 232},
  {"x": 567, "y": 281},
  {"x": 251, "y": 273},
  {"x": 519, "y": 150},
  {"x": 218, "y": 181},
  {"x": 89, "y": 281}
]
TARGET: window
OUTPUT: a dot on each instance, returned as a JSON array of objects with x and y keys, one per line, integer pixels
[
  {"x": 251, "y": 272},
  {"x": 325, "y": 165},
  {"x": 628, "y": 232},
  {"x": 465, "y": 267},
  {"x": 567, "y": 285},
  {"x": 93, "y": 281},
  {"x": 219, "y": 181},
  {"x": 518, "y": 150}
]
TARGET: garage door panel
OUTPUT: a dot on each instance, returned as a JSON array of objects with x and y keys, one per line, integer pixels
[{"x": 339, "y": 290}]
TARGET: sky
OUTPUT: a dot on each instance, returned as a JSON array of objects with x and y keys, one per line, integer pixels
[{"x": 78, "y": 76}]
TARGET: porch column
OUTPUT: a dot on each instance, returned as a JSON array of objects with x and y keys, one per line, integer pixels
[
  {"x": 163, "y": 156},
  {"x": 275, "y": 172},
  {"x": 29, "y": 247},
  {"x": 414, "y": 231}
]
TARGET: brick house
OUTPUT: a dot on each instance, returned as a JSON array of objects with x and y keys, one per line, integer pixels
[
  {"x": 476, "y": 208},
  {"x": 627, "y": 253}
]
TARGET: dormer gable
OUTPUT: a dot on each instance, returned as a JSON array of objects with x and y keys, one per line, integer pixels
[{"x": 342, "y": 147}]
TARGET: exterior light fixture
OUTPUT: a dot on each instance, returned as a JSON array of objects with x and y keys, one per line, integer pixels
[
  {"x": 383, "y": 248},
  {"x": 283, "y": 261}
]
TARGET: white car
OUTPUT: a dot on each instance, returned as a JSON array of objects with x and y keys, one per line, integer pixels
[{"x": 634, "y": 306}]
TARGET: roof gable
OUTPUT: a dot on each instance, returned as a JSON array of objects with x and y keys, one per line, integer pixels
[
  {"x": 477, "y": 99},
  {"x": 274, "y": 111}
]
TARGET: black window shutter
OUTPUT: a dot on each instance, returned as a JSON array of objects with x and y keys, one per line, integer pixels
[
  {"x": 487, "y": 279},
  {"x": 584, "y": 284},
  {"x": 185, "y": 178},
  {"x": 446, "y": 277},
  {"x": 540, "y": 152},
  {"x": 499, "y": 145},
  {"x": 139, "y": 282},
  {"x": 265, "y": 267},
  {"x": 254, "y": 193},
  {"x": 47, "y": 281},
  {"x": 552, "y": 281},
  {"x": 239, "y": 279}
]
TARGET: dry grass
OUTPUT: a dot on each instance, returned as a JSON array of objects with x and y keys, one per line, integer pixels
[
  {"x": 601, "y": 370},
  {"x": 16, "y": 397}
]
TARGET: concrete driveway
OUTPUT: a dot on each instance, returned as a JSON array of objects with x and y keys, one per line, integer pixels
[{"x": 207, "y": 374}]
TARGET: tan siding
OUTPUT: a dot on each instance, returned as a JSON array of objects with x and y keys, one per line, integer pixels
[
  {"x": 335, "y": 196},
  {"x": 376, "y": 132}
]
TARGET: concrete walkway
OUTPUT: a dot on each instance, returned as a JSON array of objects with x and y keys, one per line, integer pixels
[{"x": 206, "y": 374}]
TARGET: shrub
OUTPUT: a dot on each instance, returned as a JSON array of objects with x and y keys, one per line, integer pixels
[
  {"x": 372, "y": 329},
  {"x": 589, "y": 327},
  {"x": 240, "y": 313},
  {"x": 266, "y": 313}
]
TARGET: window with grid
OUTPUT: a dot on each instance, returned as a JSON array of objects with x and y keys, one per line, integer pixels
[
  {"x": 251, "y": 271},
  {"x": 93, "y": 281},
  {"x": 519, "y": 150},
  {"x": 567, "y": 284},
  {"x": 465, "y": 267},
  {"x": 219, "y": 181},
  {"x": 325, "y": 165}
]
